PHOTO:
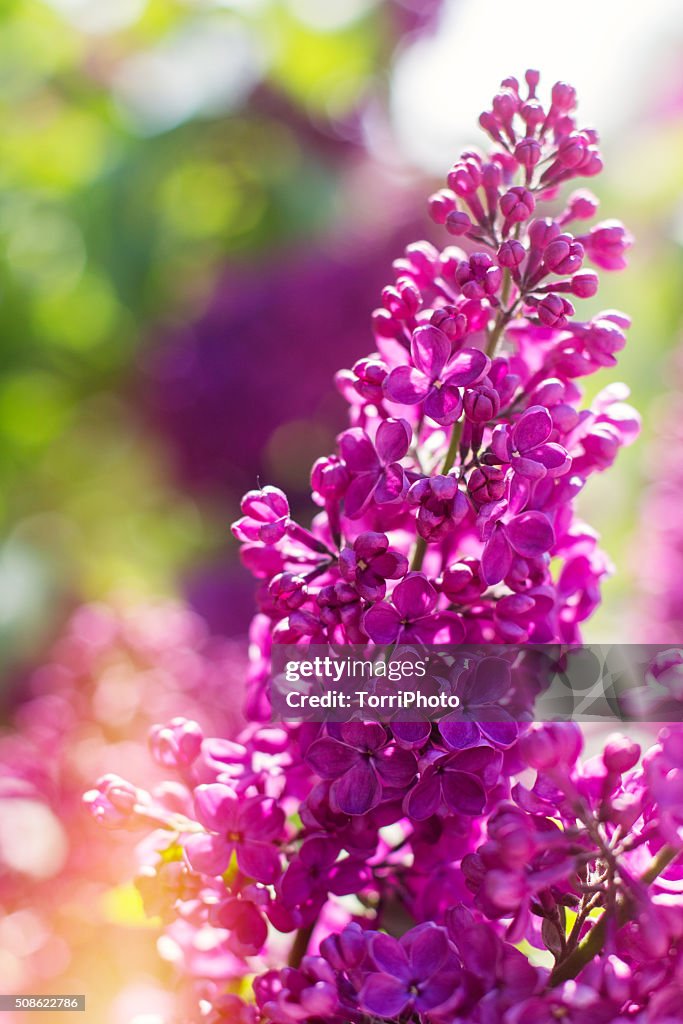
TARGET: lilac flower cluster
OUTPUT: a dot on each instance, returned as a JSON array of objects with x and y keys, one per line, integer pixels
[
  {"x": 396, "y": 869},
  {"x": 448, "y": 508},
  {"x": 397, "y": 873}
]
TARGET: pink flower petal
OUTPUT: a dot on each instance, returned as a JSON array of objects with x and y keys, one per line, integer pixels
[
  {"x": 382, "y": 623},
  {"x": 390, "y": 956},
  {"x": 469, "y": 366},
  {"x": 259, "y": 861},
  {"x": 530, "y": 534},
  {"x": 392, "y": 440},
  {"x": 532, "y": 429},
  {"x": 359, "y": 493},
  {"x": 384, "y": 996},
  {"x": 496, "y": 558},
  {"x": 443, "y": 404},
  {"x": 358, "y": 451},
  {"x": 463, "y": 793},
  {"x": 429, "y": 350},
  {"x": 329, "y": 759},
  {"x": 209, "y": 855},
  {"x": 391, "y": 485},
  {"x": 217, "y": 807},
  {"x": 406, "y": 385},
  {"x": 414, "y": 597},
  {"x": 358, "y": 791}
]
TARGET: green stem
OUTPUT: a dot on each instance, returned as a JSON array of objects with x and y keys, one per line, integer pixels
[
  {"x": 418, "y": 554},
  {"x": 453, "y": 447},
  {"x": 595, "y": 940},
  {"x": 658, "y": 864},
  {"x": 502, "y": 318},
  {"x": 456, "y": 435},
  {"x": 421, "y": 543}
]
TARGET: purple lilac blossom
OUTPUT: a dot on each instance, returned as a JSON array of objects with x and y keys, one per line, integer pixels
[{"x": 446, "y": 512}]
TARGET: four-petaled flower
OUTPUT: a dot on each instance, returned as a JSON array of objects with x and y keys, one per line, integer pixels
[
  {"x": 529, "y": 535},
  {"x": 420, "y": 971},
  {"x": 362, "y": 764},
  {"x": 370, "y": 562},
  {"x": 526, "y": 448},
  {"x": 480, "y": 713},
  {"x": 244, "y": 827},
  {"x": 376, "y": 471},
  {"x": 460, "y": 781},
  {"x": 434, "y": 378},
  {"x": 411, "y": 616}
]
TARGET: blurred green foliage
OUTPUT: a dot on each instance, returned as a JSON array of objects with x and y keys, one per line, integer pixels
[{"x": 119, "y": 199}]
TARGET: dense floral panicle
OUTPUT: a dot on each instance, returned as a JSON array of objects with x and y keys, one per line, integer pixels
[
  {"x": 395, "y": 868},
  {"x": 481, "y": 861},
  {"x": 468, "y": 439}
]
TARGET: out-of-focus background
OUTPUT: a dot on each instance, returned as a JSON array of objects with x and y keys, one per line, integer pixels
[{"x": 200, "y": 201}]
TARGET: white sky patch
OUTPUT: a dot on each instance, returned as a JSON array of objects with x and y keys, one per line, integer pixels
[
  {"x": 99, "y": 17},
  {"x": 329, "y": 15},
  {"x": 610, "y": 50}
]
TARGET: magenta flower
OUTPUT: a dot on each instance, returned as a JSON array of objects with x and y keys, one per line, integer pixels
[
  {"x": 297, "y": 995},
  {"x": 237, "y": 826},
  {"x": 496, "y": 828},
  {"x": 265, "y": 516},
  {"x": 411, "y": 616},
  {"x": 375, "y": 468},
  {"x": 486, "y": 484},
  {"x": 441, "y": 506},
  {"x": 362, "y": 764},
  {"x": 525, "y": 447},
  {"x": 459, "y": 781},
  {"x": 434, "y": 377},
  {"x": 418, "y": 972},
  {"x": 113, "y": 801},
  {"x": 529, "y": 535},
  {"x": 369, "y": 563},
  {"x": 481, "y": 715},
  {"x": 316, "y": 873},
  {"x": 479, "y": 276},
  {"x": 606, "y": 244},
  {"x": 579, "y": 1005},
  {"x": 245, "y": 924}
]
